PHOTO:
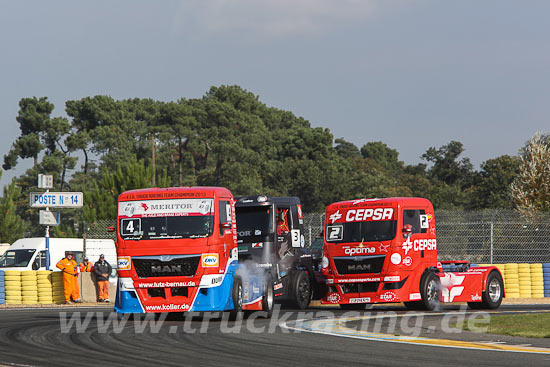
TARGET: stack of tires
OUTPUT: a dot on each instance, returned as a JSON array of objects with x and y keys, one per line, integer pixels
[
  {"x": 502, "y": 269},
  {"x": 511, "y": 280},
  {"x": 524, "y": 272},
  {"x": 2, "y": 288},
  {"x": 45, "y": 286},
  {"x": 12, "y": 284},
  {"x": 58, "y": 292},
  {"x": 546, "y": 277},
  {"x": 29, "y": 287},
  {"x": 537, "y": 281}
]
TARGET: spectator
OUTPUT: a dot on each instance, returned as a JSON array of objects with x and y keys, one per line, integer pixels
[
  {"x": 69, "y": 267},
  {"x": 102, "y": 269},
  {"x": 86, "y": 266}
]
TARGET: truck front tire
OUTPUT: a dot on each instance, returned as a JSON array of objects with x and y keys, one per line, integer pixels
[
  {"x": 430, "y": 290},
  {"x": 301, "y": 290},
  {"x": 237, "y": 298}
]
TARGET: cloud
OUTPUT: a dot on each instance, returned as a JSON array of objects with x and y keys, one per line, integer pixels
[{"x": 267, "y": 18}]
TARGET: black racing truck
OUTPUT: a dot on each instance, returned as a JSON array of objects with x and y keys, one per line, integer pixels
[{"x": 271, "y": 240}]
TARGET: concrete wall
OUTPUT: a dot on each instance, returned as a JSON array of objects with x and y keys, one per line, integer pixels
[{"x": 88, "y": 288}]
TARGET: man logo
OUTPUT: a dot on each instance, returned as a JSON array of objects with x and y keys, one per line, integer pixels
[{"x": 165, "y": 269}]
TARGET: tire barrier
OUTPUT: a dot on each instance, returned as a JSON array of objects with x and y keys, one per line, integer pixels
[
  {"x": 58, "y": 292},
  {"x": 12, "y": 285},
  {"x": 45, "y": 286},
  {"x": 546, "y": 278},
  {"x": 29, "y": 287},
  {"x": 2, "y": 288},
  {"x": 511, "y": 280}
]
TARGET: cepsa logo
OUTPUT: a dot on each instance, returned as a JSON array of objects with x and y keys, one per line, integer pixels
[
  {"x": 124, "y": 263},
  {"x": 358, "y": 215},
  {"x": 210, "y": 260},
  {"x": 360, "y": 250}
]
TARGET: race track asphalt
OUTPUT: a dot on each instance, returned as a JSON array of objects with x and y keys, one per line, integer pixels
[{"x": 45, "y": 337}]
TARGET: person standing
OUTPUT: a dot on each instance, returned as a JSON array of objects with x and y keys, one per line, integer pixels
[
  {"x": 86, "y": 266},
  {"x": 102, "y": 269},
  {"x": 69, "y": 267}
]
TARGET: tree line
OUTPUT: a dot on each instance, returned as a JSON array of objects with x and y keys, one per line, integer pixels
[{"x": 230, "y": 138}]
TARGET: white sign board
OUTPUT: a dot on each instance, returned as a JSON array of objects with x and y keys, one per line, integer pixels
[
  {"x": 49, "y": 218},
  {"x": 45, "y": 181},
  {"x": 56, "y": 199}
]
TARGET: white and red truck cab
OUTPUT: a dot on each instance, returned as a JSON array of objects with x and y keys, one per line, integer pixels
[{"x": 385, "y": 250}]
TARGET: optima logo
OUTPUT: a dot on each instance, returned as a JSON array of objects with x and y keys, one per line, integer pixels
[
  {"x": 351, "y": 251},
  {"x": 210, "y": 260}
]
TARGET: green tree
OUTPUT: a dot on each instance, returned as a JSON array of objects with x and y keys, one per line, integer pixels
[
  {"x": 447, "y": 167},
  {"x": 492, "y": 183},
  {"x": 11, "y": 224}
]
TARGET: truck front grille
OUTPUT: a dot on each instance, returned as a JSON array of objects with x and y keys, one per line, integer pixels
[{"x": 359, "y": 264}]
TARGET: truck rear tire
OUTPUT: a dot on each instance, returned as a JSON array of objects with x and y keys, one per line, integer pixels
[
  {"x": 492, "y": 295},
  {"x": 430, "y": 289},
  {"x": 267, "y": 297},
  {"x": 301, "y": 290},
  {"x": 237, "y": 298}
]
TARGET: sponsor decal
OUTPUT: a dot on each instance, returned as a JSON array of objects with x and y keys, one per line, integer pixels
[
  {"x": 355, "y": 202},
  {"x": 333, "y": 298},
  {"x": 451, "y": 286},
  {"x": 415, "y": 296},
  {"x": 361, "y": 280},
  {"x": 258, "y": 245},
  {"x": 166, "y": 208},
  {"x": 209, "y": 260},
  {"x": 392, "y": 278},
  {"x": 360, "y": 300},
  {"x": 165, "y": 284},
  {"x": 330, "y": 281},
  {"x": 407, "y": 261},
  {"x": 124, "y": 263},
  {"x": 257, "y": 232},
  {"x": 359, "y": 215},
  {"x": 335, "y": 216},
  {"x": 168, "y": 307},
  {"x": 244, "y": 233},
  {"x": 383, "y": 248},
  {"x": 419, "y": 245},
  {"x": 359, "y": 250},
  {"x": 388, "y": 296},
  {"x": 278, "y": 286},
  {"x": 395, "y": 258},
  {"x": 476, "y": 297},
  {"x": 243, "y": 248},
  {"x": 300, "y": 214}
]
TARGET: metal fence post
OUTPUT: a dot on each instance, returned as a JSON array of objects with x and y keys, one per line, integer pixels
[{"x": 492, "y": 242}]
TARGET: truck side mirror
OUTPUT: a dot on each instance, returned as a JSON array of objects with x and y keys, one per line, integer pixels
[
  {"x": 111, "y": 229},
  {"x": 407, "y": 230}
]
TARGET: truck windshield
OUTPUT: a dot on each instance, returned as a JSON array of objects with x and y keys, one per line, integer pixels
[
  {"x": 383, "y": 230},
  {"x": 254, "y": 221},
  {"x": 166, "y": 227},
  {"x": 161, "y": 219},
  {"x": 16, "y": 258}
]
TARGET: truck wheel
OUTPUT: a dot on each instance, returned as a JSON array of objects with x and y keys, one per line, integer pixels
[
  {"x": 429, "y": 290},
  {"x": 492, "y": 296},
  {"x": 267, "y": 298},
  {"x": 237, "y": 299},
  {"x": 301, "y": 290}
]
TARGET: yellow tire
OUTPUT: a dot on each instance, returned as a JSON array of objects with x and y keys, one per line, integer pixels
[
  {"x": 12, "y": 278},
  {"x": 12, "y": 272},
  {"x": 29, "y": 293},
  {"x": 512, "y": 295},
  {"x": 26, "y": 283},
  {"x": 13, "y": 302},
  {"x": 12, "y": 284},
  {"x": 43, "y": 272}
]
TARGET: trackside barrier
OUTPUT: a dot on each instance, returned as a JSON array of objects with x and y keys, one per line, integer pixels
[
  {"x": 2, "y": 288},
  {"x": 546, "y": 278},
  {"x": 12, "y": 284}
]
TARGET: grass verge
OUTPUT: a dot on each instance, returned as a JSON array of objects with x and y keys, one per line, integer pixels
[{"x": 531, "y": 325}]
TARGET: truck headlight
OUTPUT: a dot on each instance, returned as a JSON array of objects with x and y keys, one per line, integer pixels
[{"x": 324, "y": 262}]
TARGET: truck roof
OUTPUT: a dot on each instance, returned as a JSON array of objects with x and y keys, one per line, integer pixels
[
  {"x": 394, "y": 201},
  {"x": 253, "y": 200},
  {"x": 171, "y": 192}
]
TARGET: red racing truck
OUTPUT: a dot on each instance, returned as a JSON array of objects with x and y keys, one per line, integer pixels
[
  {"x": 177, "y": 251},
  {"x": 385, "y": 250}
]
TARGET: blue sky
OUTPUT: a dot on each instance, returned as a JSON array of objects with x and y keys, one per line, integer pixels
[{"x": 413, "y": 74}]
